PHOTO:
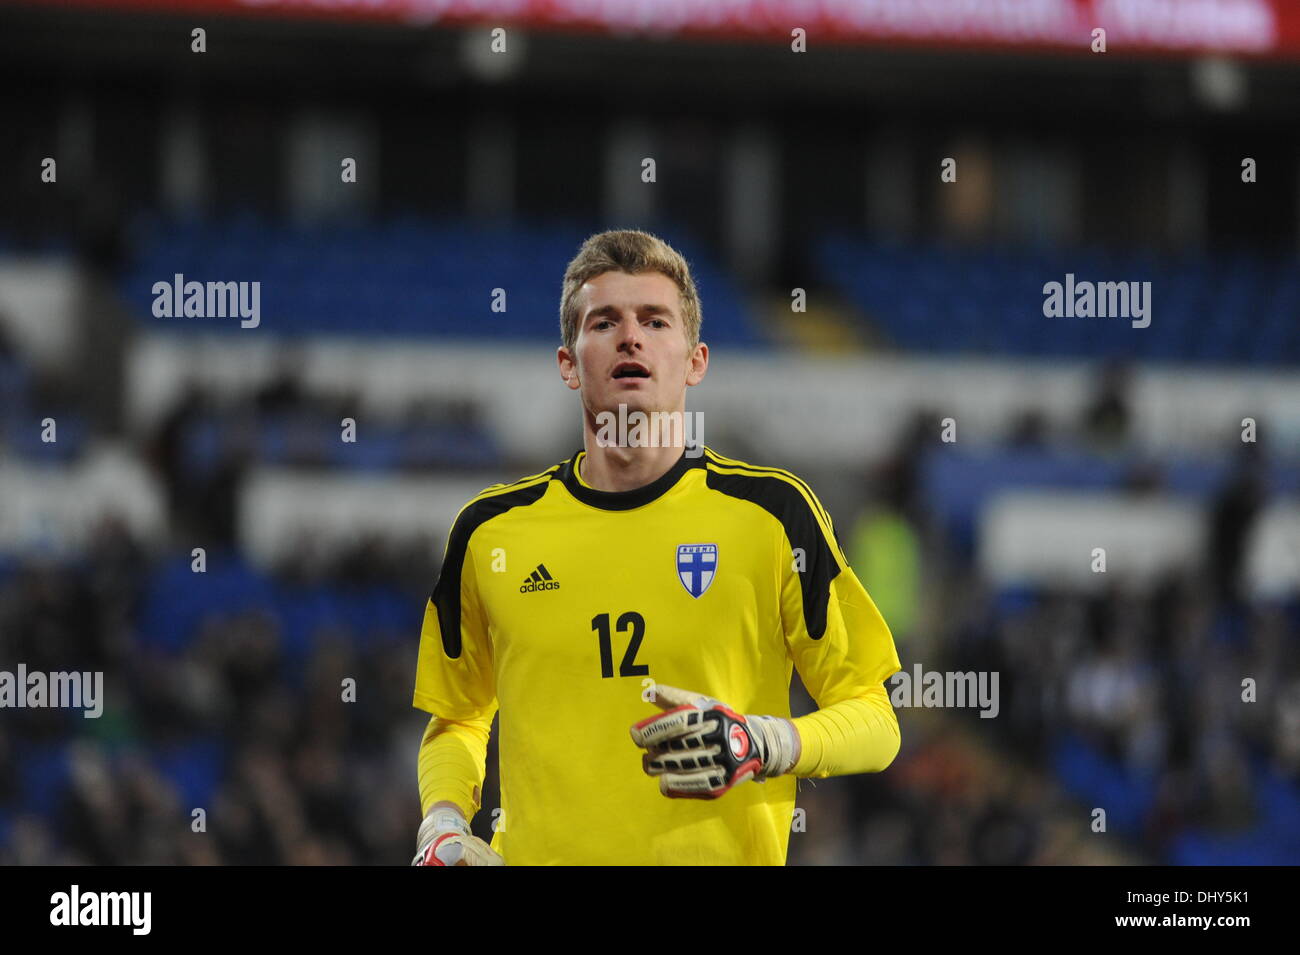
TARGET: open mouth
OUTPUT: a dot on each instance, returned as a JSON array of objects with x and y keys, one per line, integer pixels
[{"x": 630, "y": 369}]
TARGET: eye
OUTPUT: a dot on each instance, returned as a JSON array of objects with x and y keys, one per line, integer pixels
[
  {"x": 603, "y": 321},
  {"x": 659, "y": 323}
]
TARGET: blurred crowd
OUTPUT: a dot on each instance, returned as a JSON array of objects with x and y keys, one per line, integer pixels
[
  {"x": 285, "y": 769},
  {"x": 1175, "y": 707}
]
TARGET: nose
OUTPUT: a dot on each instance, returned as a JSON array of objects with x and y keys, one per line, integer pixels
[{"x": 630, "y": 336}]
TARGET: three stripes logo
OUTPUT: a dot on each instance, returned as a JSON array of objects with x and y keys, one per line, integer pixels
[{"x": 540, "y": 579}]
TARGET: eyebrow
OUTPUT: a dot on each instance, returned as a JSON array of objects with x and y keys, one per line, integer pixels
[{"x": 647, "y": 309}]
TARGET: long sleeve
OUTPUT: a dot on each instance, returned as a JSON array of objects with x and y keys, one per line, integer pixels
[
  {"x": 843, "y": 651},
  {"x": 455, "y": 680},
  {"x": 857, "y": 735},
  {"x": 453, "y": 761}
]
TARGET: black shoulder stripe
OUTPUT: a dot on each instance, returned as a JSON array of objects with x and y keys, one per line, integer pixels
[
  {"x": 722, "y": 462},
  {"x": 786, "y": 503},
  {"x": 523, "y": 480},
  {"x": 446, "y": 593}
]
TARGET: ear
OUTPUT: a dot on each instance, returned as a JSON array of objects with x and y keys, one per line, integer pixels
[
  {"x": 698, "y": 364},
  {"x": 568, "y": 368}
]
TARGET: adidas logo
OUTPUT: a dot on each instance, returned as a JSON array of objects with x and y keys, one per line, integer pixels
[{"x": 540, "y": 579}]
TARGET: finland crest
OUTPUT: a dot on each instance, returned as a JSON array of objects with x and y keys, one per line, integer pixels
[{"x": 696, "y": 564}]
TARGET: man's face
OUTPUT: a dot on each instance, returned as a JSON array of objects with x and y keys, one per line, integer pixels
[{"x": 631, "y": 347}]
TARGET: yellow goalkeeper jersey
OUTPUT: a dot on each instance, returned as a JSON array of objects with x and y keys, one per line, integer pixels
[{"x": 560, "y": 605}]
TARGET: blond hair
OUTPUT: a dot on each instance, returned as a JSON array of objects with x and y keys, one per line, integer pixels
[{"x": 634, "y": 252}]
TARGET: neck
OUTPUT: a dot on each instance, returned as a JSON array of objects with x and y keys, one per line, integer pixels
[{"x": 612, "y": 468}]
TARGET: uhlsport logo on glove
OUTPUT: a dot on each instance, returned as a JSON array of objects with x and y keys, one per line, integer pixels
[
  {"x": 739, "y": 741},
  {"x": 699, "y": 748}
]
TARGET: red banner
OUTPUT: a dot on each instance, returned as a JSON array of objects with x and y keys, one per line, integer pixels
[{"x": 1268, "y": 28}]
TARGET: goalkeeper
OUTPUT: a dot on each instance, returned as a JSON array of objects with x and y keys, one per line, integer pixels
[{"x": 650, "y": 589}]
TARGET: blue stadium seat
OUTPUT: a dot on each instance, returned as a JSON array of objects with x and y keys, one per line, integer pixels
[
  {"x": 989, "y": 300},
  {"x": 195, "y": 768},
  {"x": 1097, "y": 781},
  {"x": 177, "y": 600},
  {"x": 403, "y": 277},
  {"x": 44, "y": 771}
]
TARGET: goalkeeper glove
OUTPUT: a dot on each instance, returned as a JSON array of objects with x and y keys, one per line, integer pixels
[
  {"x": 699, "y": 748},
  {"x": 445, "y": 839}
]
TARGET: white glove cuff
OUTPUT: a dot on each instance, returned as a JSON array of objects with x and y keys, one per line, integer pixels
[
  {"x": 439, "y": 821},
  {"x": 778, "y": 744}
]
